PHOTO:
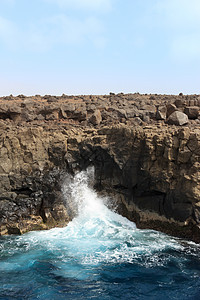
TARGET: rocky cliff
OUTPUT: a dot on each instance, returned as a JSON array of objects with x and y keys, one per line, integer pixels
[{"x": 145, "y": 149}]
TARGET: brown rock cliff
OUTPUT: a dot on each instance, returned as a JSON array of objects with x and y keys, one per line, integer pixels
[{"x": 150, "y": 167}]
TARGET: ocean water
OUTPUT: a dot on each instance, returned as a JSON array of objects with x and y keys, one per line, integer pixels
[{"x": 99, "y": 255}]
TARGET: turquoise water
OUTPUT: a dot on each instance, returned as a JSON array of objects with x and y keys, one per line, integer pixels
[{"x": 99, "y": 255}]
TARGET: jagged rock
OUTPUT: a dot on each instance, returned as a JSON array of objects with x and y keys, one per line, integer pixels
[
  {"x": 11, "y": 112},
  {"x": 117, "y": 113},
  {"x": 21, "y": 96},
  {"x": 50, "y": 98},
  {"x": 68, "y": 109},
  {"x": 184, "y": 155},
  {"x": 137, "y": 121},
  {"x": 53, "y": 115},
  {"x": 170, "y": 109},
  {"x": 132, "y": 112},
  {"x": 51, "y": 112},
  {"x": 39, "y": 117},
  {"x": 192, "y": 112},
  {"x": 27, "y": 117},
  {"x": 14, "y": 109},
  {"x": 161, "y": 113},
  {"x": 96, "y": 118},
  {"x": 146, "y": 119},
  {"x": 180, "y": 103},
  {"x": 80, "y": 115},
  {"x": 177, "y": 118},
  {"x": 28, "y": 103}
]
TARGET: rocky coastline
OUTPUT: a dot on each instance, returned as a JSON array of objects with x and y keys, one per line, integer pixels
[{"x": 145, "y": 150}]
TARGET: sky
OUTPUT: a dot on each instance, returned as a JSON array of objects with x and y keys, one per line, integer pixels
[{"x": 80, "y": 47}]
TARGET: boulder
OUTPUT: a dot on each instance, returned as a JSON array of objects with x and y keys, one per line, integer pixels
[
  {"x": 161, "y": 113},
  {"x": 117, "y": 112},
  {"x": 192, "y": 112},
  {"x": 137, "y": 121},
  {"x": 179, "y": 102},
  {"x": 68, "y": 108},
  {"x": 79, "y": 114},
  {"x": 132, "y": 112},
  {"x": 177, "y": 118},
  {"x": 53, "y": 115},
  {"x": 69, "y": 111},
  {"x": 96, "y": 118},
  {"x": 146, "y": 119},
  {"x": 170, "y": 109}
]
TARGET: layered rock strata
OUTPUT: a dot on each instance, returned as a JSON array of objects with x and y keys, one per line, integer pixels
[{"x": 147, "y": 163}]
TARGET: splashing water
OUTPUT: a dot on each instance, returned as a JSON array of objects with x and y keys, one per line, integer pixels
[{"x": 99, "y": 255}]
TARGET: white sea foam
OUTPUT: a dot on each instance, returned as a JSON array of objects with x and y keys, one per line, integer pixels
[{"x": 96, "y": 235}]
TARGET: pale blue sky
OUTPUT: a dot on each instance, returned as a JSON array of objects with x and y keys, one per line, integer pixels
[{"x": 99, "y": 46}]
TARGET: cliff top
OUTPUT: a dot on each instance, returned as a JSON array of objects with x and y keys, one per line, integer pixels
[{"x": 100, "y": 110}]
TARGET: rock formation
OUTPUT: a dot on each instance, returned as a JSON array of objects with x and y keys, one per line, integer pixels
[{"x": 144, "y": 155}]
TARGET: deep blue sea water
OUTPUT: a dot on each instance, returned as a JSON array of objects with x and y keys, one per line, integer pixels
[{"x": 99, "y": 255}]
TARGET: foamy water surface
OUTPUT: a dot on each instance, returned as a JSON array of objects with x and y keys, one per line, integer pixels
[{"x": 99, "y": 255}]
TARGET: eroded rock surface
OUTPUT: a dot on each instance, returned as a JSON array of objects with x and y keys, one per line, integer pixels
[{"x": 150, "y": 167}]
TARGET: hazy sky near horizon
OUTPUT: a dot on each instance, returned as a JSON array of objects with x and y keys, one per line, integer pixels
[{"x": 99, "y": 46}]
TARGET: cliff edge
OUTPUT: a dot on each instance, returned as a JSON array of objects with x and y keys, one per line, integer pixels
[{"x": 145, "y": 150}]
